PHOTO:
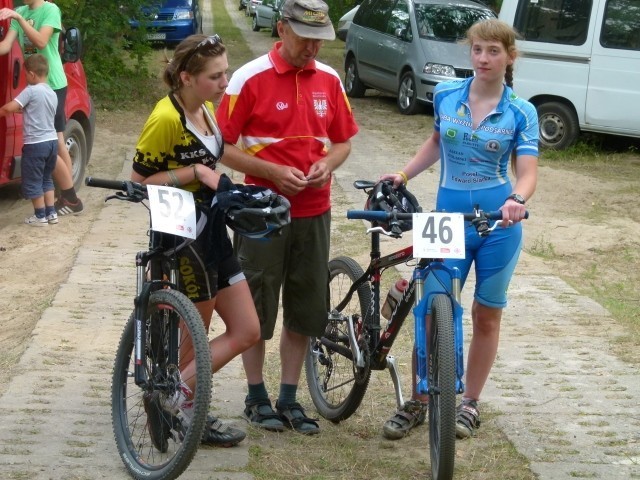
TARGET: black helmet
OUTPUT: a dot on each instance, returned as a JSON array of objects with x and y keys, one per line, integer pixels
[
  {"x": 384, "y": 198},
  {"x": 251, "y": 210}
]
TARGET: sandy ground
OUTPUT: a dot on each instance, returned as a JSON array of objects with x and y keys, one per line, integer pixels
[{"x": 35, "y": 262}]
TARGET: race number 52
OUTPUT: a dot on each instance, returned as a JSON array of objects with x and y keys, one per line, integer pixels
[
  {"x": 438, "y": 235},
  {"x": 172, "y": 211}
]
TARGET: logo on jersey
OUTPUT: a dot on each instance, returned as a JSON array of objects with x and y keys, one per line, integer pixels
[
  {"x": 492, "y": 146},
  {"x": 320, "y": 106},
  {"x": 282, "y": 105},
  {"x": 461, "y": 111},
  {"x": 451, "y": 133}
]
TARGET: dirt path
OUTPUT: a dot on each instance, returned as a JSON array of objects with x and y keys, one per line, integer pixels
[{"x": 563, "y": 397}]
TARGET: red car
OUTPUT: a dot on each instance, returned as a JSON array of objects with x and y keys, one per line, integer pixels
[{"x": 80, "y": 129}]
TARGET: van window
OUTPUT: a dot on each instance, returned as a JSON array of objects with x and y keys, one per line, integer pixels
[
  {"x": 554, "y": 21},
  {"x": 375, "y": 17},
  {"x": 399, "y": 19},
  {"x": 447, "y": 22},
  {"x": 621, "y": 25}
]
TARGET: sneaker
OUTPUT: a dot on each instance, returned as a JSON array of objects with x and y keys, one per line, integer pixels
[
  {"x": 218, "y": 434},
  {"x": 52, "y": 218},
  {"x": 36, "y": 221},
  {"x": 65, "y": 207},
  {"x": 467, "y": 418},
  {"x": 412, "y": 414}
]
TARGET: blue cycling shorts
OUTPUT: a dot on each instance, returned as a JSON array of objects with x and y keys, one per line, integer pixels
[{"x": 495, "y": 256}]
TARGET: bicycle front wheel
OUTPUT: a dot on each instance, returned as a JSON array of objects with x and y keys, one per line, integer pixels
[
  {"x": 336, "y": 385},
  {"x": 442, "y": 382},
  {"x": 152, "y": 443}
]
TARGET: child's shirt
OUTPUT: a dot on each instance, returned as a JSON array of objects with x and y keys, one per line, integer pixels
[{"x": 39, "y": 103}]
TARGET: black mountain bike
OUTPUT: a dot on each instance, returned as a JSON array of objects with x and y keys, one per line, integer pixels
[
  {"x": 339, "y": 364},
  {"x": 162, "y": 334}
]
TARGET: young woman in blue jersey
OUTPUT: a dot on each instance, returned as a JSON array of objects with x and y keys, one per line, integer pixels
[{"x": 481, "y": 131}]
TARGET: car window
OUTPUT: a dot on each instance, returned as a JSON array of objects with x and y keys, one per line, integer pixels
[
  {"x": 375, "y": 14},
  {"x": 448, "y": 22},
  {"x": 399, "y": 19},
  {"x": 554, "y": 21}
]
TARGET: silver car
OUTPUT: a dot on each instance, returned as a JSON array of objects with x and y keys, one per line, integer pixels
[{"x": 406, "y": 47}]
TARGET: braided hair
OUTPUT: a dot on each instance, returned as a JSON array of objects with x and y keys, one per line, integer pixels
[{"x": 494, "y": 30}]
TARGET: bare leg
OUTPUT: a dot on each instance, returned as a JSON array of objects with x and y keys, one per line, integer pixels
[
  {"x": 293, "y": 348},
  {"x": 62, "y": 175},
  {"x": 63, "y": 152},
  {"x": 483, "y": 348}
]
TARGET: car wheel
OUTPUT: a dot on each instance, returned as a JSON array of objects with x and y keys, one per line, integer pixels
[
  {"x": 559, "y": 128},
  {"x": 352, "y": 84},
  {"x": 241, "y": 6},
  {"x": 408, "y": 103},
  {"x": 254, "y": 24},
  {"x": 76, "y": 142}
]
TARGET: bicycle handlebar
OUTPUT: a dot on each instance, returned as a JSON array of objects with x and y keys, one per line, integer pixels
[
  {"x": 376, "y": 216},
  {"x": 126, "y": 189}
]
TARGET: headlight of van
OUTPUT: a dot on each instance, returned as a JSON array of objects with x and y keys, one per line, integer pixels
[{"x": 439, "y": 69}]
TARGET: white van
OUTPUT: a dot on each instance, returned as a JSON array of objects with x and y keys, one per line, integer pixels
[{"x": 579, "y": 65}]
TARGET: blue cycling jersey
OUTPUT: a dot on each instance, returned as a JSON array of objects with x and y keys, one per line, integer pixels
[{"x": 474, "y": 159}]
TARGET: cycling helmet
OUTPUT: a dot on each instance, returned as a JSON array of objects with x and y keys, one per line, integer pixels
[
  {"x": 383, "y": 197},
  {"x": 251, "y": 210}
]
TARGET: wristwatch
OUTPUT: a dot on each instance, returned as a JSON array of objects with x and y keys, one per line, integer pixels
[{"x": 517, "y": 198}]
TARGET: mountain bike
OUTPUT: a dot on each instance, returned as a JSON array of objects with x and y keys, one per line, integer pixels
[
  {"x": 162, "y": 334},
  {"x": 338, "y": 365}
]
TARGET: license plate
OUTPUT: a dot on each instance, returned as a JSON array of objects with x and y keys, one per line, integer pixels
[{"x": 156, "y": 36}]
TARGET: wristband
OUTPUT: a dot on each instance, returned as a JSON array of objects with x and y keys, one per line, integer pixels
[
  {"x": 404, "y": 177},
  {"x": 195, "y": 172},
  {"x": 173, "y": 178}
]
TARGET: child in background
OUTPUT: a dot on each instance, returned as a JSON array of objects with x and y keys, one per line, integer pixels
[{"x": 37, "y": 103}]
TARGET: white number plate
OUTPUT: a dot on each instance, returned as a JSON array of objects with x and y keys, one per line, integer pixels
[
  {"x": 438, "y": 235},
  {"x": 156, "y": 36},
  {"x": 172, "y": 211}
]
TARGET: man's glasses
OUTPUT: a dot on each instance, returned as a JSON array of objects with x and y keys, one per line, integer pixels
[{"x": 213, "y": 40}]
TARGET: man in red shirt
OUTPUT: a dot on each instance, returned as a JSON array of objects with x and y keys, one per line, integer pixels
[{"x": 292, "y": 122}]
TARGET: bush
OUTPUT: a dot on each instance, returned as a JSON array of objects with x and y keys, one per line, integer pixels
[{"x": 115, "y": 57}]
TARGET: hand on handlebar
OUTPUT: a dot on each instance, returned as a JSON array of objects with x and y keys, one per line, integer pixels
[{"x": 512, "y": 212}]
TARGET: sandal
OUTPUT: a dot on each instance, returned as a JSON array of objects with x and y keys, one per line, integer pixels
[
  {"x": 293, "y": 417},
  {"x": 261, "y": 414},
  {"x": 219, "y": 434},
  {"x": 412, "y": 414},
  {"x": 467, "y": 418}
]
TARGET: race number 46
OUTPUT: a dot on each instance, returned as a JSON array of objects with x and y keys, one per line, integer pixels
[
  {"x": 172, "y": 211},
  {"x": 438, "y": 235}
]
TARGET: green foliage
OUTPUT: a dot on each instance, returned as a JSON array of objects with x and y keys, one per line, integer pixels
[
  {"x": 115, "y": 57},
  {"x": 337, "y": 8}
]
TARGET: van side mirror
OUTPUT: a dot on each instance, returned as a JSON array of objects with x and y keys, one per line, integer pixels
[{"x": 72, "y": 46}]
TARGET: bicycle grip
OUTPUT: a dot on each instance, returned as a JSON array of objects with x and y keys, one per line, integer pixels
[
  {"x": 104, "y": 183},
  {"x": 497, "y": 215}
]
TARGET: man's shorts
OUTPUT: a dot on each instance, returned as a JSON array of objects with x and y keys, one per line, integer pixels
[
  {"x": 60, "y": 120},
  {"x": 296, "y": 260}
]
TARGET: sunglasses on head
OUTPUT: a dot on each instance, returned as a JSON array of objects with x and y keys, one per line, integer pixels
[{"x": 213, "y": 40}]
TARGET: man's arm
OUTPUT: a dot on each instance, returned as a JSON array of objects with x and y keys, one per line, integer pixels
[
  {"x": 320, "y": 172},
  {"x": 288, "y": 180}
]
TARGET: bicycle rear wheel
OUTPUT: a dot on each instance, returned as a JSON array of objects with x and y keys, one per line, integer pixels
[
  {"x": 336, "y": 385},
  {"x": 171, "y": 321},
  {"x": 442, "y": 382}
]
